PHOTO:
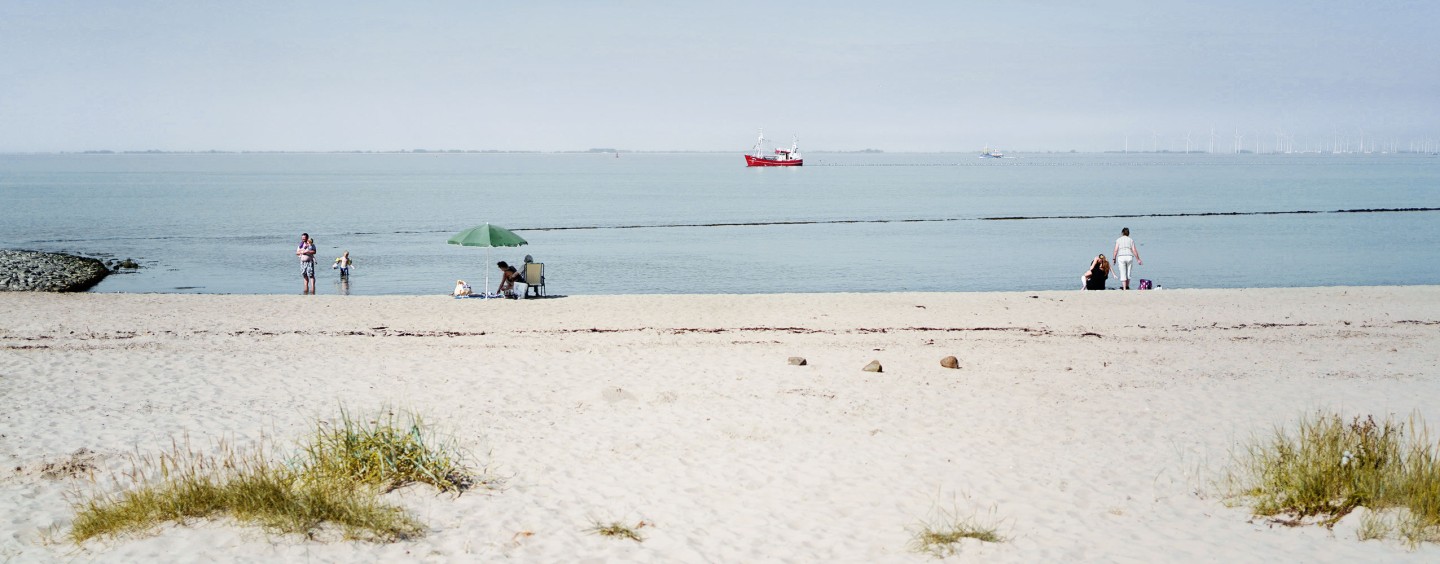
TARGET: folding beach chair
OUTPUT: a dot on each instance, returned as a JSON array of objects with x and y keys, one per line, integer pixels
[{"x": 534, "y": 278}]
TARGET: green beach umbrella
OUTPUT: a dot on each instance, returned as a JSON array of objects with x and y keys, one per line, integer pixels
[{"x": 487, "y": 236}]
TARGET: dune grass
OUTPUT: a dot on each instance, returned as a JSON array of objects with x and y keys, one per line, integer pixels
[
  {"x": 387, "y": 452},
  {"x": 1329, "y": 467},
  {"x": 336, "y": 480},
  {"x": 942, "y": 534},
  {"x": 1374, "y": 526}
]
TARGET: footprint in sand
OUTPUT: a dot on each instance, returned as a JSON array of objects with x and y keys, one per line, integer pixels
[{"x": 614, "y": 395}]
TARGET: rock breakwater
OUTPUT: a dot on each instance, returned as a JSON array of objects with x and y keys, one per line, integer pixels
[{"x": 34, "y": 271}]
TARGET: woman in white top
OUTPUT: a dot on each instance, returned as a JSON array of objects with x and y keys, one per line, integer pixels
[{"x": 1126, "y": 255}]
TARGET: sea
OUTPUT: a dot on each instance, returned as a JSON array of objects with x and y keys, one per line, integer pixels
[{"x": 703, "y": 223}]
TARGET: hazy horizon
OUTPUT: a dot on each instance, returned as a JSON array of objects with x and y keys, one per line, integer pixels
[
  {"x": 1431, "y": 148},
  {"x": 654, "y": 77}
]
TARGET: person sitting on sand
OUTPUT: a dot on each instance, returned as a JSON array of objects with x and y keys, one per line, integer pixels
[
  {"x": 515, "y": 276},
  {"x": 1094, "y": 277},
  {"x": 461, "y": 288},
  {"x": 508, "y": 277},
  {"x": 505, "y": 282}
]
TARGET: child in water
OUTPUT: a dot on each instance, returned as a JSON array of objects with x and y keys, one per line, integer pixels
[{"x": 343, "y": 264}]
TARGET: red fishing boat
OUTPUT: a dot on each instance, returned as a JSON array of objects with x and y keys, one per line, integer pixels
[{"x": 782, "y": 157}]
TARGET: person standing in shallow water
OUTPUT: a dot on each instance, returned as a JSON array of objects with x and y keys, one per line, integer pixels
[
  {"x": 1126, "y": 256},
  {"x": 306, "y": 252}
]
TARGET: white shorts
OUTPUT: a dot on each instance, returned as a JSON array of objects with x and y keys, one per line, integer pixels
[{"x": 1123, "y": 265}]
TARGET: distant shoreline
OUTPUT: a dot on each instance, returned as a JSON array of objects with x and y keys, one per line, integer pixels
[
  {"x": 441, "y": 294},
  {"x": 474, "y": 152},
  {"x": 672, "y": 152}
]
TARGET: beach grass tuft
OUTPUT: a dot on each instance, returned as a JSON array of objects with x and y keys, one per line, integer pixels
[
  {"x": 336, "y": 481},
  {"x": 1329, "y": 467},
  {"x": 389, "y": 451},
  {"x": 943, "y": 533},
  {"x": 618, "y": 530},
  {"x": 1374, "y": 526}
]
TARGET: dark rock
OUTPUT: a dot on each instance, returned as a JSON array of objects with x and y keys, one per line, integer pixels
[
  {"x": 797, "y": 360},
  {"x": 950, "y": 362},
  {"x": 874, "y": 366},
  {"x": 34, "y": 271},
  {"x": 127, "y": 263}
]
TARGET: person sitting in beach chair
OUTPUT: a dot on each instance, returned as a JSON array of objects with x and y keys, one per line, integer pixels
[
  {"x": 1094, "y": 278},
  {"x": 534, "y": 277}
]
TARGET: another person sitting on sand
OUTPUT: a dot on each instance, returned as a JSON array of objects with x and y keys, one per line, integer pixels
[
  {"x": 461, "y": 288},
  {"x": 507, "y": 279},
  {"x": 1094, "y": 277},
  {"x": 515, "y": 276}
]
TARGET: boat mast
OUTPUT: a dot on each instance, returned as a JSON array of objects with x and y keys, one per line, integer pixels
[{"x": 759, "y": 145}]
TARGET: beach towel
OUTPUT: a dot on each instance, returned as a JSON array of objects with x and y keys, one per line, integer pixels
[{"x": 482, "y": 296}]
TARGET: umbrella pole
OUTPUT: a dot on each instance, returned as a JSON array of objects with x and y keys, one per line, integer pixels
[{"x": 486, "y": 267}]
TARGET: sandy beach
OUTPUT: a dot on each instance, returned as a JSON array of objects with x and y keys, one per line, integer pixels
[{"x": 1088, "y": 426}]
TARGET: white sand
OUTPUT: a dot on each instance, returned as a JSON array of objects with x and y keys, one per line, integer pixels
[{"x": 682, "y": 411}]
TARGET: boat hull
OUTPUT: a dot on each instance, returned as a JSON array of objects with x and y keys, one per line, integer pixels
[{"x": 751, "y": 160}]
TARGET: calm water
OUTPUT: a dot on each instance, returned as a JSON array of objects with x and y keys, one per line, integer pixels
[{"x": 644, "y": 223}]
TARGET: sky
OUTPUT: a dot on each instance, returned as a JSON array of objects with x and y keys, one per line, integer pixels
[{"x": 704, "y": 76}]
